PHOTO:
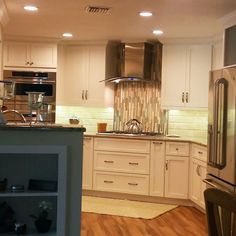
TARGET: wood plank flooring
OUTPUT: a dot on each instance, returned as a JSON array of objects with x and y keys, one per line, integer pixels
[{"x": 181, "y": 221}]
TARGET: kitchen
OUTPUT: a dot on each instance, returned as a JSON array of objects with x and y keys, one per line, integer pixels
[{"x": 189, "y": 121}]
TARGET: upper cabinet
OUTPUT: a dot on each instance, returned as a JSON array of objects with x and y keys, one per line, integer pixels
[
  {"x": 185, "y": 76},
  {"x": 29, "y": 55},
  {"x": 82, "y": 67}
]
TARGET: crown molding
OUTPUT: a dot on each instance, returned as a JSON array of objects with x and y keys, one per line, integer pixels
[{"x": 4, "y": 17}]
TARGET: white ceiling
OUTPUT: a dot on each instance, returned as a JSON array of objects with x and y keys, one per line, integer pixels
[{"x": 177, "y": 18}]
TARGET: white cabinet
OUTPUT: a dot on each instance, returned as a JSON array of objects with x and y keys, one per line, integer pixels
[
  {"x": 121, "y": 165},
  {"x": 176, "y": 170},
  {"x": 30, "y": 55},
  {"x": 83, "y": 69},
  {"x": 185, "y": 75},
  {"x": 157, "y": 174},
  {"x": 198, "y": 174},
  {"x": 87, "y": 163}
]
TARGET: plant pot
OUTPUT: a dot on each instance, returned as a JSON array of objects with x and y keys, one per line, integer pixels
[{"x": 43, "y": 225}]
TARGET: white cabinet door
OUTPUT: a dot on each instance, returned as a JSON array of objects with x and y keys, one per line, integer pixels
[
  {"x": 174, "y": 65},
  {"x": 203, "y": 172},
  {"x": 157, "y": 175},
  {"x": 185, "y": 76},
  {"x": 176, "y": 177},
  {"x": 75, "y": 75},
  {"x": 94, "y": 88},
  {"x": 30, "y": 55},
  {"x": 83, "y": 69},
  {"x": 197, "y": 186},
  {"x": 15, "y": 54},
  {"x": 87, "y": 163},
  {"x": 198, "y": 80},
  {"x": 43, "y": 55}
]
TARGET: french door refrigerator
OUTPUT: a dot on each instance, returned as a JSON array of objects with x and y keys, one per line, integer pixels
[{"x": 221, "y": 163}]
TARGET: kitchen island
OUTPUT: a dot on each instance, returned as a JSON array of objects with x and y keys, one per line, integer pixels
[{"x": 47, "y": 162}]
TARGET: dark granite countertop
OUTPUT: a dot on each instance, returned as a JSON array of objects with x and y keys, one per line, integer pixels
[
  {"x": 54, "y": 127},
  {"x": 153, "y": 138}
]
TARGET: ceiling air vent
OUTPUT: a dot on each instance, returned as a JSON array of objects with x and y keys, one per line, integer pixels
[{"x": 97, "y": 10}]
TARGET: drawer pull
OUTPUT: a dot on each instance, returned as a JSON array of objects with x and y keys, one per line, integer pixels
[
  {"x": 133, "y": 184},
  {"x": 200, "y": 152},
  {"x": 198, "y": 170},
  {"x": 177, "y": 149},
  {"x": 133, "y": 163},
  {"x": 157, "y": 142},
  {"x": 108, "y": 161},
  {"x": 108, "y": 181}
]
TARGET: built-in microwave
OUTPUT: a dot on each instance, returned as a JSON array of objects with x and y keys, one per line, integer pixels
[
  {"x": 230, "y": 46},
  {"x": 28, "y": 81}
]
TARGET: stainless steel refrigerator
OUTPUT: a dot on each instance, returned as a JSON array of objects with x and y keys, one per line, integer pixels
[{"x": 221, "y": 163}]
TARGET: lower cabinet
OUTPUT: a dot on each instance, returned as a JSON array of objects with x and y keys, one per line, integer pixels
[
  {"x": 121, "y": 165},
  {"x": 198, "y": 171},
  {"x": 145, "y": 167},
  {"x": 157, "y": 171},
  {"x": 176, "y": 170},
  {"x": 121, "y": 182},
  {"x": 87, "y": 182}
]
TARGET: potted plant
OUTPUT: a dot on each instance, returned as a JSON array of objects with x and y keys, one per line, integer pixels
[{"x": 42, "y": 223}]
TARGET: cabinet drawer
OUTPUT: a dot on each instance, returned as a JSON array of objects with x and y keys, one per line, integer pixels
[
  {"x": 199, "y": 152},
  {"x": 177, "y": 148},
  {"x": 125, "y": 183},
  {"x": 114, "y": 144},
  {"x": 121, "y": 162}
]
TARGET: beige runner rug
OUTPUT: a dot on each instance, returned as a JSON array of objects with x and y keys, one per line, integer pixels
[{"x": 126, "y": 208}]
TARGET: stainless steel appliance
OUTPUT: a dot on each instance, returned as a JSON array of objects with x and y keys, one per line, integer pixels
[
  {"x": 28, "y": 81},
  {"x": 221, "y": 169},
  {"x": 133, "y": 61}
]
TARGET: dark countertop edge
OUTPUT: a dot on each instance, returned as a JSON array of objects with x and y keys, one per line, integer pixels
[
  {"x": 43, "y": 127},
  {"x": 162, "y": 138}
]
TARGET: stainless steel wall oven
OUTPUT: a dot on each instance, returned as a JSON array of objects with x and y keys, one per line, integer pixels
[{"x": 28, "y": 81}]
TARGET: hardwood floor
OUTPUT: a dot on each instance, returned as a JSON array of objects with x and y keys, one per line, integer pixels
[{"x": 181, "y": 221}]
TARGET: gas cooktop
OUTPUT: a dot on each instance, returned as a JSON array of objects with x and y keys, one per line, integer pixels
[{"x": 118, "y": 132}]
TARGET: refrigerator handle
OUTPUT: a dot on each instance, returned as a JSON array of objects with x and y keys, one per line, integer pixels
[
  {"x": 210, "y": 156},
  {"x": 220, "y": 123}
]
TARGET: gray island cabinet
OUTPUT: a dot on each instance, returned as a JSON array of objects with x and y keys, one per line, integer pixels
[{"x": 47, "y": 162}]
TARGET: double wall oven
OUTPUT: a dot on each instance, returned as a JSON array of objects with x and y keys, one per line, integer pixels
[{"x": 28, "y": 81}]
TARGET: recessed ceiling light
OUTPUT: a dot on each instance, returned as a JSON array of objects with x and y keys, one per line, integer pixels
[
  {"x": 145, "y": 13},
  {"x": 67, "y": 35},
  {"x": 30, "y": 8},
  {"x": 157, "y": 32}
]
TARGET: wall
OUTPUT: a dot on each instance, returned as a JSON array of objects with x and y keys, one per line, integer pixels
[
  {"x": 89, "y": 116},
  {"x": 188, "y": 124}
]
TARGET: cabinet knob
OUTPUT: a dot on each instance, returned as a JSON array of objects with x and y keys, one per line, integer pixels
[
  {"x": 31, "y": 63},
  {"x": 108, "y": 181},
  {"x": 82, "y": 94},
  {"x": 157, "y": 142},
  {"x": 183, "y": 97},
  {"x": 107, "y": 161},
  {"x": 133, "y": 184},
  {"x": 186, "y": 97},
  {"x": 86, "y": 95},
  {"x": 27, "y": 63},
  {"x": 133, "y": 163},
  {"x": 200, "y": 152},
  {"x": 166, "y": 165}
]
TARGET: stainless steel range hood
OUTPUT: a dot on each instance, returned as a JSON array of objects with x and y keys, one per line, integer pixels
[{"x": 133, "y": 61}]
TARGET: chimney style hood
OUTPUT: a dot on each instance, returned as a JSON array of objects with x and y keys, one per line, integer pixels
[{"x": 133, "y": 61}]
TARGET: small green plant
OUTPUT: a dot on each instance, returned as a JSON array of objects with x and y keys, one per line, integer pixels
[{"x": 44, "y": 207}]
